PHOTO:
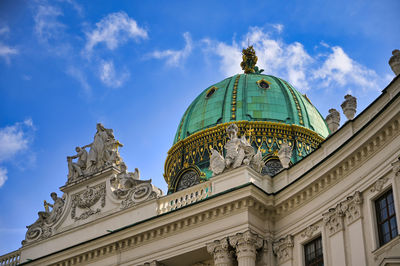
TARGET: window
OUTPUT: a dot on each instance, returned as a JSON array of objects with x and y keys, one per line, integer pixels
[
  {"x": 313, "y": 253},
  {"x": 386, "y": 218}
]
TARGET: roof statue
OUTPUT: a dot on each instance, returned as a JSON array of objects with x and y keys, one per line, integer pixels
[
  {"x": 98, "y": 184},
  {"x": 238, "y": 152},
  {"x": 249, "y": 61}
]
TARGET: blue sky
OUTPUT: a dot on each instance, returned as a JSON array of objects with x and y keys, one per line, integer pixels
[{"x": 135, "y": 66}]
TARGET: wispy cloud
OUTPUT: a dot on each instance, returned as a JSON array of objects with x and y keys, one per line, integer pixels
[
  {"x": 3, "y": 176},
  {"x": 5, "y": 50},
  {"x": 47, "y": 25},
  {"x": 114, "y": 30},
  {"x": 14, "y": 140},
  {"x": 291, "y": 61},
  {"x": 338, "y": 68},
  {"x": 80, "y": 76},
  {"x": 175, "y": 57},
  {"x": 109, "y": 76}
]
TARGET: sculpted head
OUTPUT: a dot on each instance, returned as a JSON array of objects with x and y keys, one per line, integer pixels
[
  {"x": 99, "y": 127},
  {"x": 232, "y": 130},
  {"x": 53, "y": 195},
  {"x": 78, "y": 149}
]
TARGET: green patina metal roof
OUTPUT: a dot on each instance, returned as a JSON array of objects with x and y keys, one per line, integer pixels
[{"x": 241, "y": 98}]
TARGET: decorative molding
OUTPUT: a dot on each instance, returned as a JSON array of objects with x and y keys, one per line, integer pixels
[
  {"x": 309, "y": 231},
  {"x": 171, "y": 228},
  {"x": 87, "y": 199},
  {"x": 139, "y": 194},
  {"x": 378, "y": 185},
  {"x": 283, "y": 248}
]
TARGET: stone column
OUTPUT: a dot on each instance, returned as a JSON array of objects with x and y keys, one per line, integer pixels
[
  {"x": 219, "y": 249},
  {"x": 246, "y": 245}
]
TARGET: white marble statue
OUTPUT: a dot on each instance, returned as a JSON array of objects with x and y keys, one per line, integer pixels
[
  {"x": 238, "y": 152},
  {"x": 217, "y": 162},
  {"x": 42, "y": 227},
  {"x": 76, "y": 169},
  {"x": 284, "y": 154}
]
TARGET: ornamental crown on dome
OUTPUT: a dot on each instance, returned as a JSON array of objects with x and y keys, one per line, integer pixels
[{"x": 249, "y": 61}]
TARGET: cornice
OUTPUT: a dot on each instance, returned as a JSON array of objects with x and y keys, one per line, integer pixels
[{"x": 176, "y": 224}]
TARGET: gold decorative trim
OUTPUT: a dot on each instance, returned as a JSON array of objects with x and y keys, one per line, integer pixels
[
  {"x": 263, "y": 80},
  {"x": 234, "y": 98},
  {"x": 213, "y": 88},
  {"x": 265, "y": 135},
  {"x": 296, "y": 102}
]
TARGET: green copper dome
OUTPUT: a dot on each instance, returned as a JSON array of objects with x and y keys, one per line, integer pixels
[
  {"x": 250, "y": 97},
  {"x": 266, "y": 110}
]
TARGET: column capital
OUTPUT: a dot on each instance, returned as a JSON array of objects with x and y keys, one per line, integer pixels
[
  {"x": 219, "y": 249},
  {"x": 246, "y": 243},
  {"x": 283, "y": 248}
]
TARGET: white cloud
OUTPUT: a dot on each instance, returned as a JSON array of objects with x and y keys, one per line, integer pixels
[
  {"x": 175, "y": 57},
  {"x": 7, "y": 51},
  {"x": 4, "y": 30},
  {"x": 3, "y": 176},
  {"x": 278, "y": 27},
  {"x": 13, "y": 140},
  {"x": 339, "y": 68},
  {"x": 47, "y": 25},
  {"x": 80, "y": 77},
  {"x": 114, "y": 30},
  {"x": 109, "y": 76},
  {"x": 292, "y": 62}
]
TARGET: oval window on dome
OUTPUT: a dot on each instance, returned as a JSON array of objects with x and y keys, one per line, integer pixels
[
  {"x": 263, "y": 84},
  {"x": 211, "y": 91}
]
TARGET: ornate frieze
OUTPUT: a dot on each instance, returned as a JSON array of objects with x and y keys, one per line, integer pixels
[
  {"x": 42, "y": 228},
  {"x": 220, "y": 251},
  {"x": 85, "y": 203},
  {"x": 309, "y": 231},
  {"x": 378, "y": 185},
  {"x": 283, "y": 248}
]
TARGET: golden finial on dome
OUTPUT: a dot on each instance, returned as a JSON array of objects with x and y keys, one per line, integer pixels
[{"x": 249, "y": 61}]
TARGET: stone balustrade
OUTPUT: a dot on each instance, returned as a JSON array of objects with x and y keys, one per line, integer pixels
[
  {"x": 185, "y": 197},
  {"x": 10, "y": 259}
]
